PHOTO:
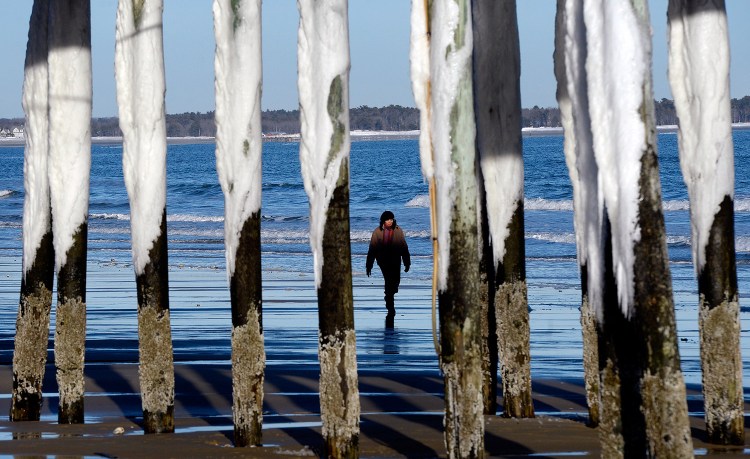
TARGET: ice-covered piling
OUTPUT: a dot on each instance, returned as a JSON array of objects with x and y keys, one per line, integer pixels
[
  {"x": 572, "y": 97},
  {"x": 237, "y": 26},
  {"x": 640, "y": 325},
  {"x": 699, "y": 75},
  {"x": 70, "y": 98},
  {"x": 139, "y": 72},
  {"x": 497, "y": 69},
  {"x": 32, "y": 323},
  {"x": 445, "y": 92},
  {"x": 323, "y": 81}
]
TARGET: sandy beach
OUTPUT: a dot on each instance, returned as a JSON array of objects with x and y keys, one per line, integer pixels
[{"x": 401, "y": 417}]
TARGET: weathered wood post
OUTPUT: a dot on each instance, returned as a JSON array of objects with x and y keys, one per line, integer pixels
[
  {"x": 70, "y": 98},
  {"x": 497, "y": 73},
  {"x": 32, "y": 324},
  {"x": 323, "y": 80},
  {"x": 699, "y": 75},
  {"x": 239, "y": 148},
  {"x": 487, "y": 303},
  {"x": 449, "y": 95},
  {"x": 139, "y": 71},
  {"x": 643, "y": 327},
  {"x": 572, "y": 97}
]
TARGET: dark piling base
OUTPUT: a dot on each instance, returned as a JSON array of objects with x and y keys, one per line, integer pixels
[{"x": 159, "y": 422}]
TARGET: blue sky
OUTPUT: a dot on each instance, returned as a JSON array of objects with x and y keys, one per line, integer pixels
[{"x": 379, "y": 34}]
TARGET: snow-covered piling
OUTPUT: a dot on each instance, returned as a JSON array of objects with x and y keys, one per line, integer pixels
[
  {"x": 448, "y": 96},
  {"x": 497, "y": 70},
  {"x": 70, "y": 97},
  {"x": 32, "y": 324},
  {"x": 639, "y": 324},
  {"x": 237, "y": 26},
  {"x": 699, "y": 76},
  {"x": 572, "y": 96},
  {"x": 323, "y": 81},
  {"x": 139, "y": 72}
]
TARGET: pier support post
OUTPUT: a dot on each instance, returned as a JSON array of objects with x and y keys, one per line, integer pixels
[{"x": 32, "y": 323}]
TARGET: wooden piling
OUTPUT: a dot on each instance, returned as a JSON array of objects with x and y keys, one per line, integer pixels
[
  {"x": 699, "y": 77},
  {"x": 70, "y": 331},
  {"x": 32, "y": 323},
  {"x": 70, "y": 86},
  {"x": 248, "y": 354},
  {"x": 572, "y": 97},
  {"x": 32, "y": 333},
  {"x": 239, "y": 150},
  {"x": 339, "y": 395},
  {"x": 139, "y": 72},
  {"x": 323, "y": 59},
  {"x": 497, "y": 99},
  {"x": 156, "y": 371}
]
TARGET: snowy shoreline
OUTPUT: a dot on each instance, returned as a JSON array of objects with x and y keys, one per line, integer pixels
[{"x": 356, "y": 136}]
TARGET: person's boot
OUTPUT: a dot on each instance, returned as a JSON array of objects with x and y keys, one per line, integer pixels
[{"x": 389, "y": 305}]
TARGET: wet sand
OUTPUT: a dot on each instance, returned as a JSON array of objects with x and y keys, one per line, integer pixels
[
  {"x": 401, "y": 417},
  {"x": 399, "y": 382}
]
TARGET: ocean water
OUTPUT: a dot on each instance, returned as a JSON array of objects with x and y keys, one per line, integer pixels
[{"x": 384, "y": 175}]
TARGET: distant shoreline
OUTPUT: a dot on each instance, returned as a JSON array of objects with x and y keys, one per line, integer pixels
[{"x": 356, "y": 136}]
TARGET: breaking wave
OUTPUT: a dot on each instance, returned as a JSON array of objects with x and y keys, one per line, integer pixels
[
  {"x": 6, "y": 193},
  {"x": 170, "y": 218},
  {"x": 420, "y": 200}
]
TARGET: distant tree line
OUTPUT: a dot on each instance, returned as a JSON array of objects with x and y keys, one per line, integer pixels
[{"x": 390, "y": 118}]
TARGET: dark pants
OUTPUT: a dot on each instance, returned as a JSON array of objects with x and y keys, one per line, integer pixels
[{"x": 392, "y": 277}]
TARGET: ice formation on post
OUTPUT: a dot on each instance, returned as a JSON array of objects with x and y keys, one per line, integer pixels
[
  {"x": 419, "y": 58},
  {"x": 570, "y": 70},
  {"x": 323, "y": 81},
  {"x": 699, "y": 75},
  {"x": 497, "y": 69},
  {"x": 618, "y": 66},
  {"x": 70, "y": 96},
  {"x": 32, "y": 324},
  {"x": 239, "y": 148},
  {"x": 139, "y": 73},
  {"x": 447, "y": 96},
  {"x": 638, "y": 319}
]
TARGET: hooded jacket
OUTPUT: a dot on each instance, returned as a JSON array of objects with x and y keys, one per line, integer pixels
[{"x": 388, "y": 256}]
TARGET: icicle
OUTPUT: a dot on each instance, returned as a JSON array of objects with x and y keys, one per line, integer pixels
[
  {"x": 617, "y": 70},
  {"x": 570, "y": 60}
]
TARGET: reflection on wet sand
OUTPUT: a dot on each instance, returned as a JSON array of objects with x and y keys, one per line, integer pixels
[{"x": 390, "y": 338}]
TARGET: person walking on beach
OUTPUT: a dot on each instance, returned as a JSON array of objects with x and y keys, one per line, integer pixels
[{"x": 388, "y": 246}]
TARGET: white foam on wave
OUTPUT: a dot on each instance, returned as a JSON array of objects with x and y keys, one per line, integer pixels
[
  {"x": 124, "y": 217},
  {"x": 742, "y": 205},
  {"x": 676, "y": 205},
  {"x": 194, "y": 218},
  {"x": 547, "y": 204},
  {"x": 563, "y": 238},
  {"x": 5, "y": 193},
  {"x": 170, "y": 217},
  {"x": 742, "y": 244},
  {"x": 678, "y": 240},
  {"x": 420, "y": 200},
  {"x": 566, "y": 205}
]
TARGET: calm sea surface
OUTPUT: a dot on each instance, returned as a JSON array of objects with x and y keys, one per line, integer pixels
[{"x": 384, "y": 175}]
